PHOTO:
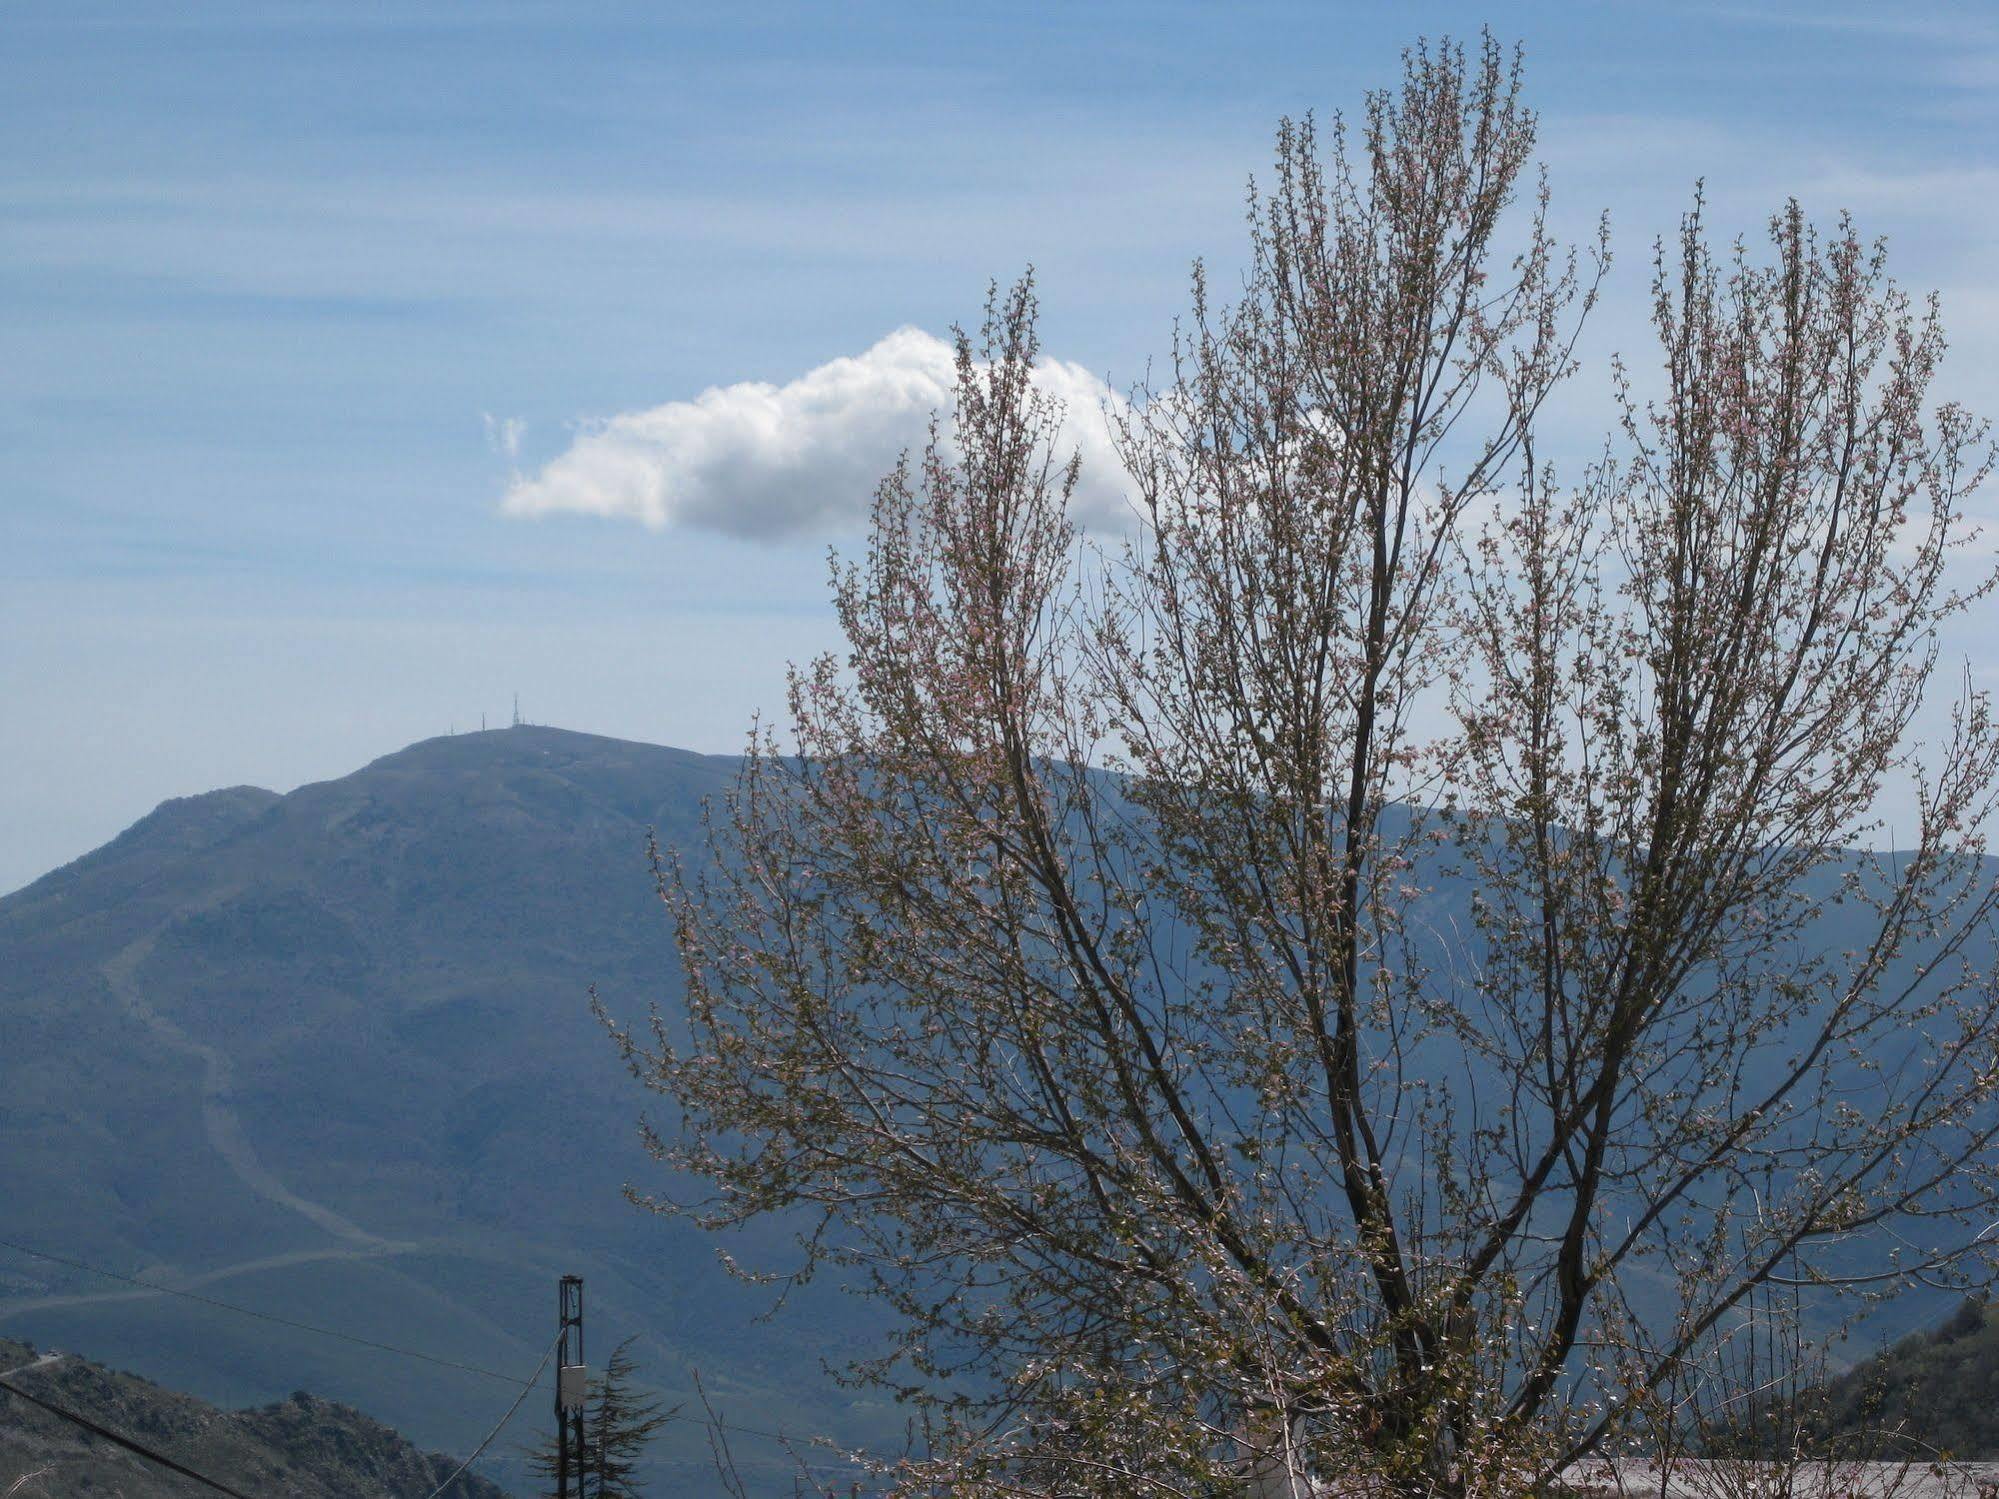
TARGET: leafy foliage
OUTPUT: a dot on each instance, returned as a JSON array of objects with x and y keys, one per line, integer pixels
[{"x": 1076, "y": 965}]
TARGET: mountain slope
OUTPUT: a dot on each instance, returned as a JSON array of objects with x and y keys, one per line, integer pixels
[
  {"x": 300, "y": 1448},
  {"x": 1935, "y": 1391},
  {"x": 329, "y": 1055}
]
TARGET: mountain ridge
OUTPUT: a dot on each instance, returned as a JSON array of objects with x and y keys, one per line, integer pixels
[{"x": 329, "y": 1055}]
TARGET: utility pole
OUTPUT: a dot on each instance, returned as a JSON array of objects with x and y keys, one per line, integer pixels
[{"x": 571, "y": 1382}]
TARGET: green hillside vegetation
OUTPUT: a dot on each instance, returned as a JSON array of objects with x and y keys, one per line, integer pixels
[
  {"x": 1935, "y": 1392},
  {"x": 298, "y": 1448}
]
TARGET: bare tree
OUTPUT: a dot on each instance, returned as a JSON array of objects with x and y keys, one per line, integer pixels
[{"x": 1357, "y": 983}]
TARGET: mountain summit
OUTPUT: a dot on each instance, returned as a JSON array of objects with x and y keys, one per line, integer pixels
[{"x": 328, "y": 1055}]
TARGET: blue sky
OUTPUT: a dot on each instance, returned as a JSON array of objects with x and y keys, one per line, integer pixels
[{"x": 277, "y": 282}]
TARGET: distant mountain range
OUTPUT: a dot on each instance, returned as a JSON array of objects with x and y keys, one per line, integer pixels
[
  {"x": 302, "y": 1446},
  {"x": 328, "y": 1056}
]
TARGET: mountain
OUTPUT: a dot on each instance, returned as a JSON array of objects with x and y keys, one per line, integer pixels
[
  {"x": 298, "y": 1448},
  {"x": 1935, "y": 1391},
  {"x": 329, "y": 1056}
]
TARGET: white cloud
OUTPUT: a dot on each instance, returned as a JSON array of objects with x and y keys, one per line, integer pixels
[{"x": 803, "y": 458}]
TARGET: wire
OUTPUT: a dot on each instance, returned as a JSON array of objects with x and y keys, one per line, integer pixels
[
  {"x": 328, "y": 1332},
  {"x": 525, "y": 1388},
  {"x": 244, "y": 1311},
  {"x": 123, "y": 1441}
]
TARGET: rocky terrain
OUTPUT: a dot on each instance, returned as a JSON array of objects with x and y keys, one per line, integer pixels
[{"x": 302, "y": 1447}]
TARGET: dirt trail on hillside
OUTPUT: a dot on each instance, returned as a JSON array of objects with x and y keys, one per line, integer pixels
[
  {"x": 218, "y": 1114},
  {"x": 169, "y": 1283}
]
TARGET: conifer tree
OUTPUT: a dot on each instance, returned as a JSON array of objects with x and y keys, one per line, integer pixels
[{"x": 618, "y": 1426}]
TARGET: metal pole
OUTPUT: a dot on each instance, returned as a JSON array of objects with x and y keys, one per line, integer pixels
[
  {"x": 571, "y": 1382},
  {"x": 577, "y": 1441}
]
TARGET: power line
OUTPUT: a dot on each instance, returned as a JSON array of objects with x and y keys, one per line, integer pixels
[
  {"x": 529, "y": 1385},
  {"x": 152, "y": 1288},
  {"x": 526, "y": 1385},
  {"x": 123, "y": 1441},
  {"x": 244, "y": 1311}
]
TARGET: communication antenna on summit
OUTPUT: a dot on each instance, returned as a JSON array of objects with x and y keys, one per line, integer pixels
[{"x": 517, "y": 710}]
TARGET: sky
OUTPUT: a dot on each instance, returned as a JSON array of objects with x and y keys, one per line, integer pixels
[{"x": 363, "y": 365}]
